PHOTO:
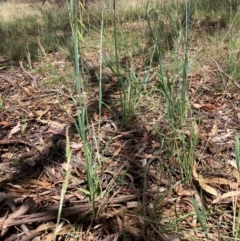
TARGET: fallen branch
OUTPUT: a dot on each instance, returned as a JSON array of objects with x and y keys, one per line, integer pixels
[{"x": 52, "y": 212}]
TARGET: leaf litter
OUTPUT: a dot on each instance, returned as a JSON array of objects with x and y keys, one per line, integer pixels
[{"x": 133, "y": 172}]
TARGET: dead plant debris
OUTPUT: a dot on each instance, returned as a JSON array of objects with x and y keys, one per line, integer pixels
[{"x": 133, "y": 171}]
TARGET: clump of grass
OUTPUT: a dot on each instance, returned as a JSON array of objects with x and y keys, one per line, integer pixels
[
  {"x": 171, "y": 34},
  {"x": 181, "y": 149},
  {"x": 208, "y": 6},
  {"x": 124, "y": 15},
  {"x": 21, "y": 31},
  {"x": 130, "y": 93},
  {"x": 91, "y": 164},
  {"x": 234, "y": 44},
  {"x": 17, "y": 38}
]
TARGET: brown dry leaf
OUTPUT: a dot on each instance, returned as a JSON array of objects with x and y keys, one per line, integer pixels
[
  {"x": 4, "y": 123},
  {"x": 224, "y": 137},
  {"x": 148, "y": 128},
  {"x": 45, "y": 226},
  {"x": 131, "y": 224},
  {"x": 185, "y": 204},
  {"x": 60, "y": 230},
  {"x": 156, "y": 144},
  {"x": 41, "y": 141},
  {"x": 119, "y": 222},
  {"x": 14, "y": 130},
  {"x": 200, "y": 179},
  {"x": 221, "y": 181},
  {"x": 153, "y": 133},
  {"x": 3, "y": 217},
  {"x": 8, "y": 155},
  {"x": 26, "y": 89},
  {"x": 214, "y": 130},
  {"x": 76, "y": 146},
  {"x": 182, "y": 192},
  {"x": 233, "y": 163},
  {"x": 66, "y": 166},
  {"x": 115, "y": 96},
  {"x": 208, "y": 107},
  {"x": 203, "y": 135},
  {"x": 219, "y": 147},
  {"x": 69, "y": 111},
  {"x": 197, "y": 106},
  {"x": 200, "y": 236},
  {"x": 41, "y": 113},
  {"x": 95, "y": 116},
  {"x": 53, "y": 124},
  {"x": 195, "y": 128},
  {"x": 116, "y": 153},
  {"x": 236, "y": 174},
  {"x": 79, "y": 195},
  {"x": 187, "y": 133},
  {"x": 192, "y": 90},
  {"x": 133, "y": 204},
  {"x": 57, "y": 132},
  {"x": 232, "y": 194},
  {"x": 35, "y": 183}
]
